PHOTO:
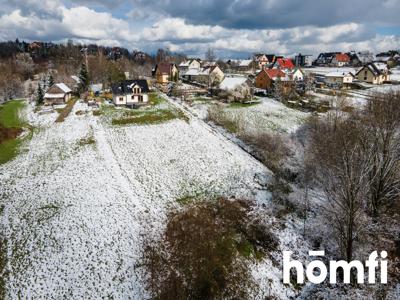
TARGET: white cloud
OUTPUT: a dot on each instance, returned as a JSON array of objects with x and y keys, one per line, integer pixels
[{"x": 88, "y": 25}]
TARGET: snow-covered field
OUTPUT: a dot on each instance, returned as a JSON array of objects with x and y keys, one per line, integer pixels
[
  {"x": 269, "y": 115},
  {"x": 75, "y": 213},
  {"x": 395, "y": 76}
]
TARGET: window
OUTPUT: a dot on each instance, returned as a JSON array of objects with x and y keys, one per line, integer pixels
[
  {"x": 140, "y": 98},
  {"x": 121, "y": 98},
  {"x": 136, "y": 90},
  {"x": 365, "y": 78},
  {"x": 365, "y": 73}
]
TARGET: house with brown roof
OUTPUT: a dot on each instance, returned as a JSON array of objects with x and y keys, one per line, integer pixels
[
  {"x": 58, "y": 93},
  {"x": 266, "y": 78},
  {"x": 166, "y": 72}
]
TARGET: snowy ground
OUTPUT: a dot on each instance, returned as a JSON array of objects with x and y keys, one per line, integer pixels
[
  {"x": 269, "y": 115},
  {"x": 75, "y": 214},
  {"x": 395, "y": 76}
]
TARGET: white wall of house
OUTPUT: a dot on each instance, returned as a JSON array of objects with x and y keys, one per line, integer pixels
[
  {"x": 367, "y": 76},
  {"x": 194, "y": 64},
  {"x": 130, "y": 99},
  {"x": 298, "y": 75}
]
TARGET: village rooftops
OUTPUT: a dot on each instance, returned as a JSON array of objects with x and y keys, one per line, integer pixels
[
  {"x": 342, "y": 57},
  {"x": 284, "y": 63}
]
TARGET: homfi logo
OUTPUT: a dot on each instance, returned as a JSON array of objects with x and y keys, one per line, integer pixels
[{"x": 317, "y": 271}]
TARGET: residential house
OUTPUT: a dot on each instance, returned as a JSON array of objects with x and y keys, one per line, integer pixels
[
  {"x": 340, "y": 60},
  {"x": 131, "y": 93},
  {"x": 325, "y": 59},
  {"x": 266, "y": 78},
  {"x": 207, "y": 76},
  {"x": 261, "y": 60},
  {"x": 374, "y": 73},
  {"x": 284, "y": 64},
  {"x": 339, "y": 79},
  {"x": 360, "y": 58},
  {"x": 246, "y": 65},
  {"x": 389, "y": 60},
  {"x": 189, "y": 65},
  {"x": 296, "y": 74},
  {"x": 96, "y": 89},
  {"x": 166, "y": 72},
  {"x": 207, "y": 64},
  {"x": 271, "y": 58},
  {"x": 58, "y": 93},
  {"x": 303, "y": 60}
]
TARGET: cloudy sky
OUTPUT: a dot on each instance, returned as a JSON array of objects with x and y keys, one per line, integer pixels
[{"x": 233, "y": 28}]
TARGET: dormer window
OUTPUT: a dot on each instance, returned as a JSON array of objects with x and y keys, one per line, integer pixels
[{"x": 136, "y": 90}]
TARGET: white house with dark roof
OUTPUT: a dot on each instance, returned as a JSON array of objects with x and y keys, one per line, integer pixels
[{"x": 131, "y": 93}]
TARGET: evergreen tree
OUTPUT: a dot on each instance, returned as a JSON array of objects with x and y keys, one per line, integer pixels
[
  {"x": 39, "y": 95},
  {"x": 84, "y": 79},
  {"x": 51, "y": 81}
]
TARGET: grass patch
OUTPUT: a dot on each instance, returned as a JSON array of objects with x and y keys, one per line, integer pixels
[
  {"x": 243, "y": 105},
  {"x": 186, "y": 200},
  {"x": 66, "y": 110},
  {"x": 155, "y": 99},
  {"x": 80, "y": 113},
  {"x": 9, "y": 114},
  {"x": 149, "y": 117},
  {"x": 89, "y": 140},
  {"x": 218, "y": 116},
  {"x": 11, "y": 125},
  {"x": 97, "y": 113}
]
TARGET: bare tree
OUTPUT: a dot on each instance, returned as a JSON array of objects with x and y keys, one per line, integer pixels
[
  {"x": 210, "y": 55},
  {"x": 343, "y": 166},
  {"x": 382, "y": 120}
]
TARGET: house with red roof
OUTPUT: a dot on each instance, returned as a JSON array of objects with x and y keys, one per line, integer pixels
[
  {"x": 266, "y": 78},
  {"x": 284, "y": 64},
  {"x": 340, "y": 60}
]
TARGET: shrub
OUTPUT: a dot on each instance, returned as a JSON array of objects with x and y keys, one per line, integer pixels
[
  {"x": 203, "y": 251},
  {"x": 271, "y": 149}
]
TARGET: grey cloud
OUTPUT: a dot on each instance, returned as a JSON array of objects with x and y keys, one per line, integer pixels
[{"x": 258, "y": 14}]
